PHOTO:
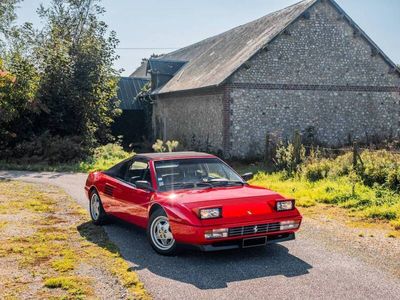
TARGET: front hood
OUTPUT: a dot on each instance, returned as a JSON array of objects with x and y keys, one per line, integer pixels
[{"x": 239, "y": 204}]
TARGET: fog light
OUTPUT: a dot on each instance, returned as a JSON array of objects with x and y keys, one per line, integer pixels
[
  {"x": 287, "y": 225},
  {"x": 216, "y": 233}
]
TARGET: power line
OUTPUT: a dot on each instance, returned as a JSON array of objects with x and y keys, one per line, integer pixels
[{"x": 146, "y": 48}]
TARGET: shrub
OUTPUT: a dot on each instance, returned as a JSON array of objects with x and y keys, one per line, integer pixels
[
  {"x": 381, "y": 167},
  {"x": 393, "y": 179},
  {"x": 105, "y": 157},
  {"x": 160, "y": 146},
  {"x": 342, "y": 165},
  {"x": 49, "y": 149},
  {"x": 286, "y": 160},
  {"x": 316, "y": 171}
]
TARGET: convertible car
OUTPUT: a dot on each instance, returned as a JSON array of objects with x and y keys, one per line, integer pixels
[{"x": 193, "y": 199}]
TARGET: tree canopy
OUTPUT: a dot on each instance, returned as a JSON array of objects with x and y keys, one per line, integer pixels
[{"x": 58, "y": 81}]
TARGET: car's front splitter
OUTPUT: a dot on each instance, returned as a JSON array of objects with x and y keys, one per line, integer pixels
[{"x": 238, "y": 243}]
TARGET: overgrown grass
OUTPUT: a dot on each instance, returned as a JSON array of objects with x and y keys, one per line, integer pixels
[
  {"x": 371, "y": 190},
  {"x": 103, "y": 158}
]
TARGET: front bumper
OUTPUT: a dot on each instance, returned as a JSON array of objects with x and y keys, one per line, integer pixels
[
  {"x": 195, "y": 235},
  {"x": 236, "y": 244}
]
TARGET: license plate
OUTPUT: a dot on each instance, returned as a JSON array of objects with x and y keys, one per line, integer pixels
[{"x": 254, "y": 242}]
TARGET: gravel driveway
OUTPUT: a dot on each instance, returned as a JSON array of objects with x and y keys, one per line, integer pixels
[{"x": 318, "y": 264}]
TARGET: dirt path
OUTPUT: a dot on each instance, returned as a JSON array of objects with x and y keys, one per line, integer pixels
[{"x": 48, "y": 249}]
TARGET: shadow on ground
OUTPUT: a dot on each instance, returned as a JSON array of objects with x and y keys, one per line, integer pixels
[
  {"x": 33, "y": 175},
  {"x": 204, "y": 270}
]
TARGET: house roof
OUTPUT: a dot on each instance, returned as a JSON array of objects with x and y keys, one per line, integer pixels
[
  {"x": 141, "y": 72},
  {"x": 128, "y": 89},
  {"x": 211, "y": 61},
  {"x": 162, "y": 70},
  {"x": 214, "y": 59}
]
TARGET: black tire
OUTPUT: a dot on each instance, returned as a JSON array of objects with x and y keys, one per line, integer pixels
[
  {"x": 160, "y": 217},
  {"x": 98, "y": 216}
]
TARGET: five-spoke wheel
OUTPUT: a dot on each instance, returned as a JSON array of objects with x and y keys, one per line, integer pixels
[
  {"x": 160, "y": 234},
  {"x": 97, "y": 212}
]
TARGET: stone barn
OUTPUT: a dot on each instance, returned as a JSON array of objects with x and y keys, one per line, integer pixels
[{"x": 307, "y": 67}]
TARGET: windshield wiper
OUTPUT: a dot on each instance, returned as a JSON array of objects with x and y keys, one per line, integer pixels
[
  {"x": 207, "y": 184},
  {"x": 189, "y": 184},
  {"x": 219, "y": 182}
]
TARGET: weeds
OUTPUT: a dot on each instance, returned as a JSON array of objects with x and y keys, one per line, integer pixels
[{"x": 55, "y": 248}]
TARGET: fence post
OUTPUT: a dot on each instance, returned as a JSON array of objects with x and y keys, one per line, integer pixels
[
  {"x": 355, "y": 154},
  {"x": 297, "y": 146},
  {"x": 267, "y": 154}
]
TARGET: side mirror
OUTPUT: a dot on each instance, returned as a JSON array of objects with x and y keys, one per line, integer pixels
[
  {"x": 248, "y": 176},
  {"x": 144, "y": 185}
]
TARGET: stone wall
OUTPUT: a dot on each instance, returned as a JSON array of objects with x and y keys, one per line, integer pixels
[
  {"x": 322, "y": 74},
  {"x": 195, "y": 120}
]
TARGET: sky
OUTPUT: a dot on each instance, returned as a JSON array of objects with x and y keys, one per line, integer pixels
[{"x": 160, "y": 26}]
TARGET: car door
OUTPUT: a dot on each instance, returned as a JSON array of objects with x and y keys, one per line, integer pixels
[
  {"x": 132, "y": 202},
  {"x": 110, "y": 190}
]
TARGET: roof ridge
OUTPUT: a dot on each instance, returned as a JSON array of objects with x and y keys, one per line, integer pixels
[{"x": 236, "y": 27}]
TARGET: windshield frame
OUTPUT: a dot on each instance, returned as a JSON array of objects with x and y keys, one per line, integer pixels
[{"x": 218, "y": 160}]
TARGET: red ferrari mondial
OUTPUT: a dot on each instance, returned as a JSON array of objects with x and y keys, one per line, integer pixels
[{"x": 189, "y": 198}]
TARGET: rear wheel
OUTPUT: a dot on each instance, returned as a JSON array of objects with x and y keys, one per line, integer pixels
[
  {"x": 97, "y": 213},
  {"x": 160, "y": 235}
]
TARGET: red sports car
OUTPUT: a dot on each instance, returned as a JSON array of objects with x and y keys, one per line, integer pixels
[{"x": 192, "y": 199}]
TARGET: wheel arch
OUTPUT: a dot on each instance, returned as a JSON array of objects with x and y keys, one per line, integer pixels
[
  {"x": 154, "y": 207},
  {"x": 93, "y": 189}
]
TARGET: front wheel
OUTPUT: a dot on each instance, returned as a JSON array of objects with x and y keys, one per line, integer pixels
[
  {"x": 160, "y": 235},
  {"x": 97, "y": 213}
]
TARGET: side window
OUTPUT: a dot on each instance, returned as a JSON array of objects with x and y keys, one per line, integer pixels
[
  {"x": 119, "y": 170},
  {"x": 138, "y": 170}
]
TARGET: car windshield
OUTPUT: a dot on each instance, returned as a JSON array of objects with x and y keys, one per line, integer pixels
[{"x": 194, "y": 173}]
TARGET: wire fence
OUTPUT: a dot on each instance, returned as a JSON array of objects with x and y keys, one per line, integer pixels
[
  {"x": 350, "y": 148},
  {"x": 356, "y": 149}
]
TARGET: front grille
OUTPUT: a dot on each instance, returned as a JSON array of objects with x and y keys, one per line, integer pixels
[{"x": 253, "y": 229}]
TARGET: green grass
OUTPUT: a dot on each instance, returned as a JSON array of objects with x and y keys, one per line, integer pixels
[
  {"x": 368, "y": 202},
  {"x": 72, "y": 284},
  {"x": 103, "y": 158}
]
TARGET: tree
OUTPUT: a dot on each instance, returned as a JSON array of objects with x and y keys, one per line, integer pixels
[
  {"x": 57, "y": 83},
  {"x": 78, "y": 80},
  {"x": 18, "y": 76},
  {"x": 18, "y": 87}
]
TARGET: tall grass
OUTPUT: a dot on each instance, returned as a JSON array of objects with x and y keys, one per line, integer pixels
[{"x": 372, "y": 189}]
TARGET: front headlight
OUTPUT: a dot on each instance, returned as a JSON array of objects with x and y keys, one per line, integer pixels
[
  {"x": 210, "y": 213},
  {"x": 284, "y": 205}
]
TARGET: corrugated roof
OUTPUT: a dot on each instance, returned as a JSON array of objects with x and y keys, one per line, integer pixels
[
  {"x": 128, "y": 89},
  {"x": 213, "y": 60}
]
